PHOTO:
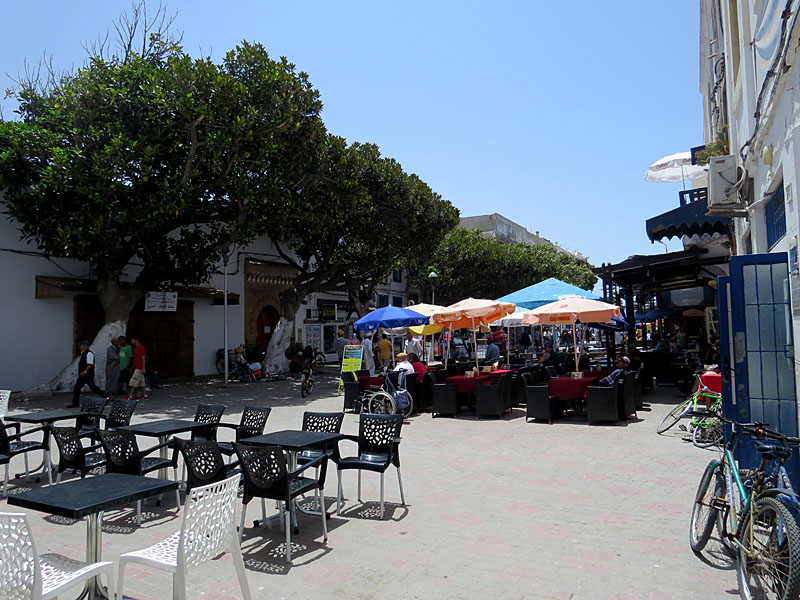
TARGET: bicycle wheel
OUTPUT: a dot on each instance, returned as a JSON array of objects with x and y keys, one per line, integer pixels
[
  {"x": 704, "y": 511},
  {"x": 673, "y": 416},
  {"x": 221, "y": 366},
  {"x": 769, "y": 555},
  {"x": 303, "y": 390},
  {"x": 707, "y": 433},
  {"x": 309, "y": 386},
  {"x": 382, "y": 403},
  {"x": 408, "y": 411}
]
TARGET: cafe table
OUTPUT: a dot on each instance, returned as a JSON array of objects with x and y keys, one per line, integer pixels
[
  {"x": 162, "y": 429},
  {"x": 467, "y": 385},
  {"x": 294, "y": 441},
  {"x": 498, "y": 373},
  {"x": 46, "y": 418},
  {"x": 89, "y": 498},
  {"x": 568, "y": 389}
]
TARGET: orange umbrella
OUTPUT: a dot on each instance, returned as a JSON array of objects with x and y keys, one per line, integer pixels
[
  {"x": 469, "y": 313},
  {"x": 569, "y": 310}
]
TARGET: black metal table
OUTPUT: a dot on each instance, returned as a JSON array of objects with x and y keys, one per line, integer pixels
[
  {"x": 294, "y": 441},
  {"x": 162, "y": 429},
  {"x": 89, "y": 498},
  {"x": 46, "y": 418}
]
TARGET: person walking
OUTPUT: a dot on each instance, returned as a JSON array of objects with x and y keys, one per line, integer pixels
[
  {"x": 112, "y": 367},
  {"x": 385, "y": 350},
  {"x": 412, "y": 344},
  {"x": 137, "y": 381},
  {"x": 85, "y": 374},
  {"x": 125, "y": 363}
]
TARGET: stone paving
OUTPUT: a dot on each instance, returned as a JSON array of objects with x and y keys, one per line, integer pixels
[{"x": 496, "y": 509}]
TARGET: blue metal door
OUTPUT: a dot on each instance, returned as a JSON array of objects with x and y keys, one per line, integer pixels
[{"x": 758, "y": 361}]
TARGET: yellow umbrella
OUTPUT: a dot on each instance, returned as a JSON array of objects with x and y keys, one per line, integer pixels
[{"x": 427, "y": 310}]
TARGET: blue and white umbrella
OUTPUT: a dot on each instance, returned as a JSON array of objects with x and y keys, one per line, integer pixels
[{"x": 388, "y": 317}]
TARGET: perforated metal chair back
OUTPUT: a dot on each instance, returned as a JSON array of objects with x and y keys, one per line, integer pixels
[
  {"x": 204, "y": 463},
  {"x": 254, "y": 419},
  {"x": 264, "y": 471},
  {"x": 324, "y": 422},
  {"x": 122, "y": 451},
  {"x": 121, "y": 412},
  {"x": 210, "y": 414},
  {"x": 91, "y": 406},
  {"x": 376, "y": 434}
]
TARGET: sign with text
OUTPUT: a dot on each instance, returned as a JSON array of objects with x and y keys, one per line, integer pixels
[
  {"x": 328, "y": 312},
  {"x": 351, "y": 362},
  {"x": 161, "y": 302}
]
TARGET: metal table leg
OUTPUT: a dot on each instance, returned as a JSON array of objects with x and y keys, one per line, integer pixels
[{"x": 94, "y": 553}]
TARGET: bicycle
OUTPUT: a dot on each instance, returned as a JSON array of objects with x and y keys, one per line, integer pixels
[
  {"x": 307, "y": 380},
  {"x": 692, "y": 403},
  {"x": 754, "y": 512},
  {"x": 708, "y": 431}
]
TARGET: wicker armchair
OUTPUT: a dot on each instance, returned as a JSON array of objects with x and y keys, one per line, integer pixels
[{"x": 601, "y": 403}]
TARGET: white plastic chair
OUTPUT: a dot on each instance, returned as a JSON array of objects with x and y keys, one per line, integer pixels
[
  {"x": 208, "y": 530},
  {"x": 26, "y": 574},
  {"x": 5, "y": 395}
]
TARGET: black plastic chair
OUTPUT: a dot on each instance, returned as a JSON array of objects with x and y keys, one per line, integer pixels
[
  {"x": 424, "y": 399},
  {"x": 123, "y": 456},
  {"x": 352, "y": 395},
  {"x": 13, "y": 445},
  {"x": 211, "y": 414},
  {"x": 444, "y": 400},
  {"x": 252, "y": 423},
  {"x": 73, "y": 455},
  {"x": 601, "y": 403},
  {"x": 118, "y": 416},
  {"x": 378, "y": 447},
  {"x": 627, "y": 396},
  {"x": 540, "y": 405},
  {"x": 204, "y": 463},
  {"x": 87, "y": 424},
  {"x": 637, "y": 390},
  {"x": 266, "y": 476},
  {"x": 490, "y": 400},
  {"x": 551, "y": 371}
]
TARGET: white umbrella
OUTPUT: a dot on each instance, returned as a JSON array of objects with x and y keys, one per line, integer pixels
[{"x": 675, "y": 167}]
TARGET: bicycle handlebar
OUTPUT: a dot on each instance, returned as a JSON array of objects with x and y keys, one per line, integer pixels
[{"x": 759, "y": 430}]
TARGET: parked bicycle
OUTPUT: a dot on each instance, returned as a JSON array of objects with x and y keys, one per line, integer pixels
[
  {"x": 754, "y": 512},
  {"x": 702, "y": 399}
]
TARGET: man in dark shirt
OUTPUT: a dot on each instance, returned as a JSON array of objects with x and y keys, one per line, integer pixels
[
  {"x": 85, "y": 374},
  {"x": 623, "y": 363}
]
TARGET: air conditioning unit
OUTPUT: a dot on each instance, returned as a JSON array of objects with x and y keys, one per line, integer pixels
[{"x": 723, "y": 195}]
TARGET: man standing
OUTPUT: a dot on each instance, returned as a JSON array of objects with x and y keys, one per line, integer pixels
[
  {"x": 369, "y": 357},
  {"x": 137, "y": 381},
  {"x": 412, "y": 345},
  {"x": 340, "y": 344},
  {"x": 384, "y": 350},
  {"x": 85, "y": 374},
  {"x": 112, "y": 367}
]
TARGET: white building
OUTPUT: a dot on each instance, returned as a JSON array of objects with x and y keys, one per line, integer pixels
[
  {"x": 750, "y": 82},
  {"x": 49, "y": 303}
]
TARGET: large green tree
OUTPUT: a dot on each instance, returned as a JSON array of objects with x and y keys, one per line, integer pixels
[
  {"x": 148, "y": 167},
  {"x": 469, "y": 264},
  {"x": 353, "y": 221}
]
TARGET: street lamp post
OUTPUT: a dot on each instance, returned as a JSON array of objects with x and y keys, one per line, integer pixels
[{"x": 433, "y": 276}]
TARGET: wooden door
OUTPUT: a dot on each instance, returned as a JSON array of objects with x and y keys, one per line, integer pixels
[{"x": 168, "y": 338}]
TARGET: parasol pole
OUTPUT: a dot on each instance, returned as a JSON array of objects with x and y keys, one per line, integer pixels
[
  {"x": 575, "y": 342},
  {"x": 475, "y": 342},
  {"x": 449, "y": 338}
]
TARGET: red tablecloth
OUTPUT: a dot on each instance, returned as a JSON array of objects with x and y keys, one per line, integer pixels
[
  {"x": 495, "y": 375},
  {"x": 567, "y": 388},
  {"x": 713, "y": 381},
  {"x": 467, "y": 385},
  {"x": 366, "y": 381},
  {"x": 594, "y": 373}
]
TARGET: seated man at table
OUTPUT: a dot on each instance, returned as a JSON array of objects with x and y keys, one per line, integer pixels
[
  {"x": 403, "y": 364},
  {"x": 548, "y": 357},
  {"x": 492, "y": 351},
  {"x": 419, "y": 368},
  {"x": 623, "y": 364}
]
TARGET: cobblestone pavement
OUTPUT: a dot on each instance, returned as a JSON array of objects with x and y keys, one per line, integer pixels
[{"x": 496, "y": 508}]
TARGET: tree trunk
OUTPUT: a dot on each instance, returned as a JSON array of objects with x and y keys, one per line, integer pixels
[
  {"x": 275, "y": 361},
  {"x": 360, "y": 299},
  {"x": 117, "y": 303}
]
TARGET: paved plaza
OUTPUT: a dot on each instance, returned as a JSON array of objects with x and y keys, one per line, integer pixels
[{"x": 495, "y": 509}]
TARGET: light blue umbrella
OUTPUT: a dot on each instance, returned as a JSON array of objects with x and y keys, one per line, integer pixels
[{"x": 544, "y": 292}]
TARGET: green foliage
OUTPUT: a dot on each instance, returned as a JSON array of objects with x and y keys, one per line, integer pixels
[
  {"x": 719, "y": 147},
  {"x": 159, "y": 161},
  {"x": 469, "y": 264},
  {"x": 356, "y": 218}
]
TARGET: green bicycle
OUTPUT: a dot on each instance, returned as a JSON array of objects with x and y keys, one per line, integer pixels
[
  {"x": 753, "y": 511},
  {"x": 702, "y": 399}
]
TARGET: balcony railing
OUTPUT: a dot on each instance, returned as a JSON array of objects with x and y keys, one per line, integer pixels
[{"x": 689, "y": 196}]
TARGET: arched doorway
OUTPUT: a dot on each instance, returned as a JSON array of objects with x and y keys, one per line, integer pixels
[{"x": 265, "y": 326}]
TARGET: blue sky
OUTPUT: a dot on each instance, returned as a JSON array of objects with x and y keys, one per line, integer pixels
[{"x": 547, "y": 113}]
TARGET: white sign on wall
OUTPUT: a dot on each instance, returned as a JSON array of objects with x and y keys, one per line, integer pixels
[{"x": 161, "y": 302}]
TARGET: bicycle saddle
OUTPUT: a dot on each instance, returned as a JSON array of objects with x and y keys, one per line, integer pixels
[{"x": 773, "y": 451}]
